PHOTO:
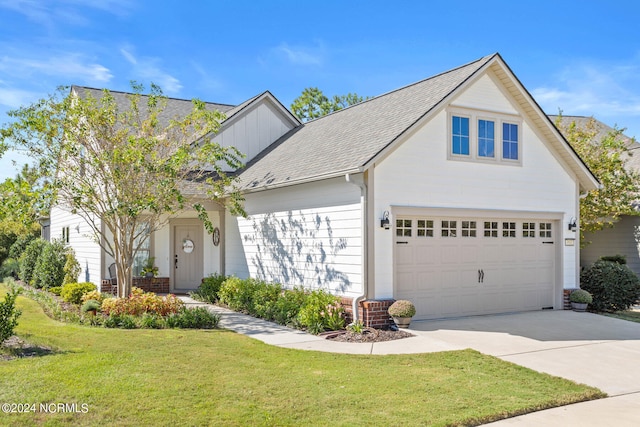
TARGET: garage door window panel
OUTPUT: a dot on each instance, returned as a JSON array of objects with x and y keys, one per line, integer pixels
[
  {"x": 469, "y": 229},
  {"x": 528, "y": 229},
  {"x": 403, "y": 227},
  {"x": 508, "y": 229},
  {"x": 424, "y": 228},
  {"x": 449, "y": 229},
  {"x": 490, "y": 229},
  {"x": 545, "y": 229}
]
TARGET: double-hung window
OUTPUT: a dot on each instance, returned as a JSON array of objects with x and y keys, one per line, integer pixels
[
  {"x": 484, "y": 137},
  {"x": 460, "y": 135},
  {"x": 510, "y": 141}
]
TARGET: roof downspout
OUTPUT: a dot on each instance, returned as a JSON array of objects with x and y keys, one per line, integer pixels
[{"x": 363, "y": 230}]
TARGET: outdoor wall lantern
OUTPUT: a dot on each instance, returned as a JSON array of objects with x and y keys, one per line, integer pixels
[
  {"x": 384, "y": 222},
  {"x": 573, "y": 224}
]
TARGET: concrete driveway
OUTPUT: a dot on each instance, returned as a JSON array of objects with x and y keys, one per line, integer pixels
[{"x": 587, "y": 348}]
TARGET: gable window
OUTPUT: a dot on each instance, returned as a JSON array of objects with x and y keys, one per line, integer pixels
[
  {"x": 482, "y": 136},
  {"x": 510, "y": 141},
  {"x": 460, "y": 135},
  {"x": 65, "y": 234},
  {"x": 486, "y": 139}
]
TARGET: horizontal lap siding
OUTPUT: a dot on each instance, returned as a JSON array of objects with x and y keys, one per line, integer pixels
[
  {"x": 87, "y": 251},
  {"x": 291, "y": 238}
]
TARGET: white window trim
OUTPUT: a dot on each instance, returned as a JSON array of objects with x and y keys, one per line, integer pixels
[{"x": 474, "y": 116}]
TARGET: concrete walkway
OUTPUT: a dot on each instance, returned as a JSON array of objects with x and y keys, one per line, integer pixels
[{"x": 586, "y": 348}]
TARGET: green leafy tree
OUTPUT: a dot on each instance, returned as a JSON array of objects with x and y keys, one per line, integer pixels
[
  {"x": 312, "y": 103},
  {"x": 606, "y": 154},
  {"x": 126, "y": 168}
]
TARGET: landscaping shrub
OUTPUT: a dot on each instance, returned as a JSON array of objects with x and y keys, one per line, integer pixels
[
  {"x": 151, "y": 321},
  {"x": 8, "y": 315},
  {"x": 10, "y": 268},
  {"x": 90, "y": 305},
  {"x": 71, "y": 268},
  {"x": 73, "y": 292},
  {"x": 94, "y": 295},
  {"x": 208, "y": 290},
  {"x": 238, "y": 294},
  {"x": 49, "y": 269},
  {"x": 193, "y": 318},
  {"x": 288, "y": 306},
  {"x": 124, "y": 321},
  {"x": 321, "y": 311},
  {"x": 265, "y": 300},
  {"x": 139, "y": 303},
  {"x": 19, "y": 246},
  {"x": 56, "y": 290},
  {"x": 29, "y": 258},
  {"x": 613, "y": 286},
  {"x": 620, "y": 259}
]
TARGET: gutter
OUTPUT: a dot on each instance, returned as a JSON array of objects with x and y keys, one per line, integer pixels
[{"x": 363, "y": 207}]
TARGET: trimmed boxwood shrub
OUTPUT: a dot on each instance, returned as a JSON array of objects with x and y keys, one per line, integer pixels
[
  {"x": 29, "y": 258},
  {"x": 613, "y": 286},
  {"x": 193, "y": 318},
  {"x": 73, "y": 292}
]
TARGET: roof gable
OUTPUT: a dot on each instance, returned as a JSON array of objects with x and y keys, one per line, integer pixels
[
  {"x": 347, "y": 140},
  {"x": 355, "y": 138}
]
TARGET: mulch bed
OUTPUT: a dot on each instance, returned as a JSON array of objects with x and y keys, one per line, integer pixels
[
  {"x": 367, "y": 335},
  {"x": 15, "y": 347}
]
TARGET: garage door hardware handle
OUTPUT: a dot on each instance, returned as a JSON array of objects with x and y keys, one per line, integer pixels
[
  {"x": 547, "y": 243},
  {"x": 480, "y": 276},
  {"x": 402, "y": 243}
]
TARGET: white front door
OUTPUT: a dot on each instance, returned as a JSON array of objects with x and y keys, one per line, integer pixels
[{"x": 187, "y": 256}]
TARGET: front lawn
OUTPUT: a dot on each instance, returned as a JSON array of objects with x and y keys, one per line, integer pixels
[
  {"x": 215, "y": 377},
  {"x": 630, "y": 315}
]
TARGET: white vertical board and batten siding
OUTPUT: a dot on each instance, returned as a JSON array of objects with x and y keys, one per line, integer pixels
[
  {"x": 254, "y": 130},
  {"x": 418, "y": 174},
  {"x": 87, "y": 251},
  {"x": 308, "y": 234}
]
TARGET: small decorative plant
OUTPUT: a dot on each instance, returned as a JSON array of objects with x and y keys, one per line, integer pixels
[
  {"x": 149, "y": 269},
  {"x": 402, "y": 308},
  {"x": 91, "y": 306},
  {"x": 581, "y": 296}
]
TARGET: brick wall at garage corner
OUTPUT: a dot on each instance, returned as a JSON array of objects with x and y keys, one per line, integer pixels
[
  {"x": 373, "y": 313},
  {"x": 565, "y": 299}
]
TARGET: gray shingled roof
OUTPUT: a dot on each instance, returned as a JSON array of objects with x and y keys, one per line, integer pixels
[
  {"x": 175, "y": 107},
  {"x": 344, "y": 141}
]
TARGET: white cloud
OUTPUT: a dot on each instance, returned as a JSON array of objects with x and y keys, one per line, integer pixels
[
  {"x": 66, "y": 65},
  {"x": 301, "y": 55},
  {"x": 65, "y": 12},
  {"x": 14, "y": 98},
  {"x": 147, "y": 70},
  {"x": 609, "y": 92}
]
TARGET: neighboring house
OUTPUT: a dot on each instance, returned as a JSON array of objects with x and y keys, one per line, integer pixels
[
  {"x": 624, "y": 237},
  {"x": 454, "y": 192}
]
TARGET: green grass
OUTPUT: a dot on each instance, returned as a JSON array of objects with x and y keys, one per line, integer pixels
[
  {"x": 216, "y": 377},
  {"x": 632, "y": 316}
]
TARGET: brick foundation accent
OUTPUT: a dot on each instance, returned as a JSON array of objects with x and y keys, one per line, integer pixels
[
  {"x": 373, "y": 313},
  {"x": 158, "y": 285},
  {"x": 565, "y": 299}
]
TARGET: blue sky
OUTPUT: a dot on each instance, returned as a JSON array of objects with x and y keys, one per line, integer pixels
[{"x": 582, "y": 57}]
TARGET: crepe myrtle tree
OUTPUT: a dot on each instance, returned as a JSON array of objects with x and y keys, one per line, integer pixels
[
  {"x": 124, "y": 165},
  {"x": 606, "y": 155}
]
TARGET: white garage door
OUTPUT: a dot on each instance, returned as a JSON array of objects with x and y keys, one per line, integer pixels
[{"x": 450, "y": 267}]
